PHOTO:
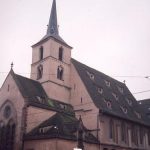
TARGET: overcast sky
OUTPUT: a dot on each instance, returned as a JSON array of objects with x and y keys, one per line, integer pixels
[{"x": 112, "y": 36}]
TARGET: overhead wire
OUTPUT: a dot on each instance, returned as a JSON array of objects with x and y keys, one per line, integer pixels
[{"x": 119, "y": 76}]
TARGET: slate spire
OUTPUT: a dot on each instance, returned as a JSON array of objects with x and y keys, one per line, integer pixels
[
  {"x": 53, "y": 26},
  {"x": 52, "y": 30}
]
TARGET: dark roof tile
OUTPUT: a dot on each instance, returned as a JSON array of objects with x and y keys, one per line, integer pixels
[
  {"x": 36, "y": 96},
  {"x": 120, "y": 107},
  {"x": 60, "y": 126}
]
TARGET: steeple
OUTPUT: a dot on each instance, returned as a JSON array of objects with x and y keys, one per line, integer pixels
[
  {"x": 52, "y": 26},
  {"x": 52, "y": 55},
  {"x": 52, "y": 30}
]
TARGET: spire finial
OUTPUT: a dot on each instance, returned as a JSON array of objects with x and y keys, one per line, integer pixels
[
  {"x": 12, "y": 65},
  {"x": 52, "y": 26}
]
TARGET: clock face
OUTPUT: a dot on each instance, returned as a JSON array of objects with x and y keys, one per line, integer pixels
[{"x": 7, "y": 112}]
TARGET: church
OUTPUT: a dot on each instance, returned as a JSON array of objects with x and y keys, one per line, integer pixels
[{"x": 66, "y": 104}]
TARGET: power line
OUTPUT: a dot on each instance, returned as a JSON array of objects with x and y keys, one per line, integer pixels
[
  {"x": 118, "y": 76},
  {"x": 141, "y": 92}
]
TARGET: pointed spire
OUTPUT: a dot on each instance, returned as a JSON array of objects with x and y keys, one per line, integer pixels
[
  {"x": 52, "y": 26},
  {"x": 52, "y": 30}
]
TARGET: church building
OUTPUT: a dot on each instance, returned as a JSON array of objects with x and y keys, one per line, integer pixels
[{"x": 66, "y": 104}]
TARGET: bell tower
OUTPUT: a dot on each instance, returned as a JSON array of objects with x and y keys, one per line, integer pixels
[{"x": 51, "y": 58}]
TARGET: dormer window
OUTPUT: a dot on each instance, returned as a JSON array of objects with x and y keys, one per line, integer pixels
[
  {"x": 109, "y": 104},
  {"x": 100, "y": 90},
  {"x": 60, "y": 73},
  {"x": 39, "y": 72},
  {"x": 62, "y": 106},
  {"x": 41, "y": 50},
  {"x": 107, "y": 83},
  {"x": 120, "y": 89},
  {"x": 60, "y": 55},
  {"x": 90, "y": 75},
  {"x": 40, "y": 99},
  {"x": 137, "y": 114},
  {"x": 115, "y": 96},
  {"x": 45, "y": 129},
  {"x": 129, "y": 101},
  {"x": 124, "y": 109}
]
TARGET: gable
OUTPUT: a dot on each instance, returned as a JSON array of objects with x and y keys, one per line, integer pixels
[
  {"x": 11, "y": 108},
  {"x": 10, "y": 91}
]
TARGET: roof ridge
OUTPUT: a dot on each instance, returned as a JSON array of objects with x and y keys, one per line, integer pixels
[
  {"x": 27, "y": 78},
  {"x": 98, "y": 71}
]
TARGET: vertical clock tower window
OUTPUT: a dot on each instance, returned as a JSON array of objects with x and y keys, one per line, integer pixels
[
  {"x": 60, "y": 57},
  {"x": 41, "y": 50}
]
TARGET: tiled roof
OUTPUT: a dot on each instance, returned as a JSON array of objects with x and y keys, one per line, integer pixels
[
  {"x": 36, "y": 96},
  {"x": 145, "y": 106},
  {"x": 109, "y": 95},
  {"x": 28, "y": 87},
  {"x": 60, "y": 126}
]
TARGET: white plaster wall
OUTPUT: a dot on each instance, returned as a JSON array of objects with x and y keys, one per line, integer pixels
[{"x": 36, "y": 116}]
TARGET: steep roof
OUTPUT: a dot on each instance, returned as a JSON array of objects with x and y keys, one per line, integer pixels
[
  {"x": 61, "y": 126},
  {"x": 36, "y": 96},
  {"x": 28, "y": 87},
  {"x": 145, "y": 106},
  {"x": 109, "y": 95}
]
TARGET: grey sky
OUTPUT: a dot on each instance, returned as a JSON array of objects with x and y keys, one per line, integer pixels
[{"x": 112, "y": 36}]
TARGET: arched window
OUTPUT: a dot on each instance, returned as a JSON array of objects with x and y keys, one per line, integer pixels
[
  {"x": 39, "y": 72},
  {"x": 111, "y": 129},
  {"x": 134, "y": 134},
  {"x": 60, "y": 73},
  {"x": 141, "y": 132},
  {"x": 41, "y": 50},
  {"x": 123, "y": 132},
  {"x": 60, "y": 56},
  {"x": 7, "y": 136}
]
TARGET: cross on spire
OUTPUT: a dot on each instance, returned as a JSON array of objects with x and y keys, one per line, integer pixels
[{"x": 12, "y": 65}]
